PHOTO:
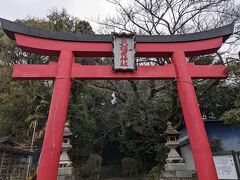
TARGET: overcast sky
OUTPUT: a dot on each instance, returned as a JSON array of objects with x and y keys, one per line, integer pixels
[{"x": 20, "y": 9}]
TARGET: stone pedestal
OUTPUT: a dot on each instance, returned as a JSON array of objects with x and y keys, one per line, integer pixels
[
  {"x": 66, "y": 173},
  {"x": 176, "y": 170}
]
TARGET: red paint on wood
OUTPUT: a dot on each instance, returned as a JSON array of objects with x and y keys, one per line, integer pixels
[
  {"x": 190, "y": 48},
  {"x": 53, "y": 47},
  {"x": 200, "y": 147},
  {"x": 207, "y": 71},
  {"x": 106, "y": 72},
  {"x": 24, "y": 71},
  {"x": 52, "y": 144},
  {"x": 35, "y": 71},
  {"x": 92, "y": 49},
  {"x": 148, "y": 72}
]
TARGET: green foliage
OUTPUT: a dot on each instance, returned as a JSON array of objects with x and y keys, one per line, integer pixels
[
  {"x": 38, "y": 111},
  {"x": 83, "y": 125},
  {"x": 160, "y": 159},
  {"x": 232, "y": 115},
  {"x": 62, "y": 21},
  {"x": 202, "y": 60},
  {"x": 1, "y": 33},
  {"x": 92, "y": 120},
  {"x": 25, "y": 102},
  {"x": 234, "y": 70},
  {"x": 218, "y": 99},
  {"x": 16, "y": 97},
  {"x": 154, "y": 173},
  {"x": 143, "y": 126}
]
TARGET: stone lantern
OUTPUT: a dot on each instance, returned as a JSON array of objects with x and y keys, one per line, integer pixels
[
  {"x": 175, "y": 167},
  {"x": 65, "y": 170},
  {"x": 172, "y": 144}
]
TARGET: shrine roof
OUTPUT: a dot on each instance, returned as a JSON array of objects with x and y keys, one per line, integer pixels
[{"x": 12, "y": 27}]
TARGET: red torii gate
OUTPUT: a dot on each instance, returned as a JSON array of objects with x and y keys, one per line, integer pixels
[{"x": 69, "y": 45}]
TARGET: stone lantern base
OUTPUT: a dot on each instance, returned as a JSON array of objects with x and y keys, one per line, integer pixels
[
  {"x": 176, "y": 170},
  {"x": 65, "y": 173}
]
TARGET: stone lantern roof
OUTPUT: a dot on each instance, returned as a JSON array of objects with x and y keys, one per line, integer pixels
[
  {"x": 67, "y": 131},
  {"x": 171, "y": 130}
]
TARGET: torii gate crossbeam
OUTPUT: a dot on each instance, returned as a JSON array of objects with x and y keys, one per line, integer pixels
[{"x": 68, "y": 45}]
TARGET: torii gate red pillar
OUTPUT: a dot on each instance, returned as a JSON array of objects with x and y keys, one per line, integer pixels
[
  {"x": 67, "y": 46},
  {"x": 193, "y": 119},
  {"x": 48, "y": 164}
]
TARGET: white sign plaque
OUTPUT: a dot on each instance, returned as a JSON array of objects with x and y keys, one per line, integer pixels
[
  {"x": 225, "y": 166},
  {"x": 124, "y": 52}
]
